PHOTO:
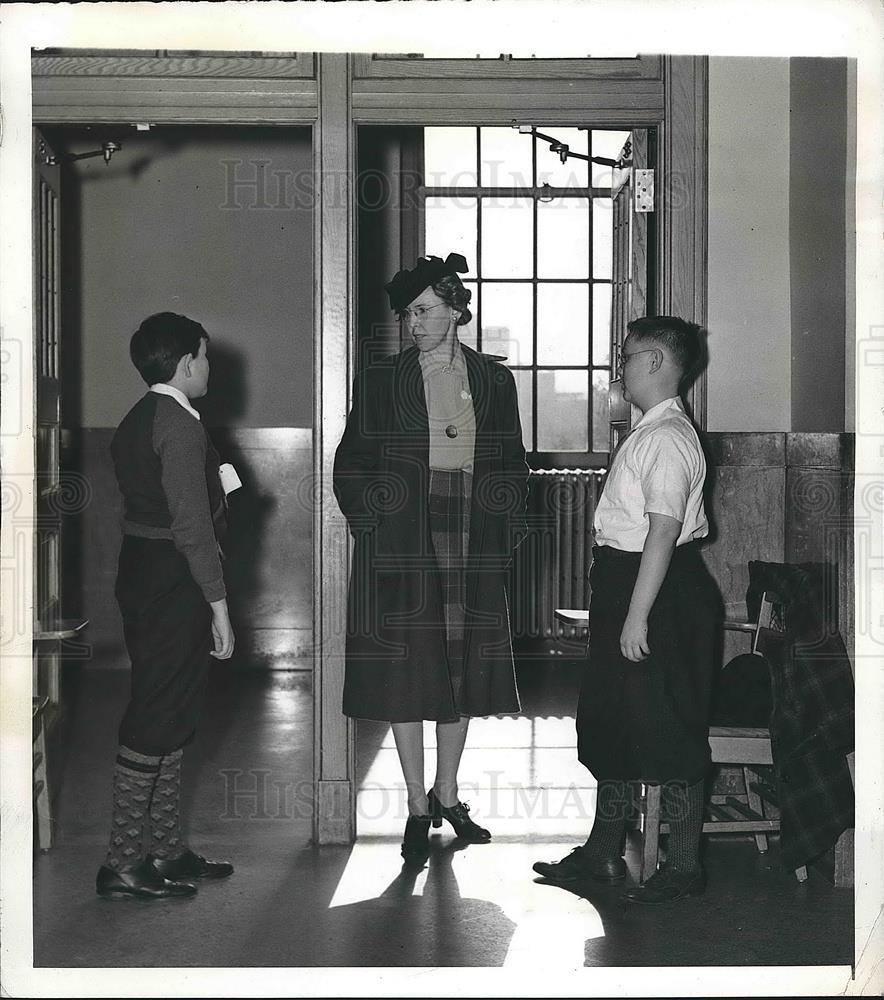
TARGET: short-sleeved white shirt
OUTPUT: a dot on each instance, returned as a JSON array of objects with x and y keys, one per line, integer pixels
[{"x": 658, "y": 469}]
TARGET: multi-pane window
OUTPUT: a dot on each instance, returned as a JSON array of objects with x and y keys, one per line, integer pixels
[{"x": 537, "y": 235}]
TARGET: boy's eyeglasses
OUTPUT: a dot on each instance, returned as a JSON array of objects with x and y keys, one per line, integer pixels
[
  {"x": 624, "y": 357},
  {"x": 417, "y": 314}
]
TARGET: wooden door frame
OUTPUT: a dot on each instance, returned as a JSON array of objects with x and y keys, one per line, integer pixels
[
  {"x": 335, "y": 93},
  {"x": 438, "y": 92}
]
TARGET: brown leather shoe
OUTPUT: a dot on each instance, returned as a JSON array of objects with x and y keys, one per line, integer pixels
[
  {"x": 579, "y": 866},
  {"x": 142, "y": 881},
  {"x": 190, "y": 865}
]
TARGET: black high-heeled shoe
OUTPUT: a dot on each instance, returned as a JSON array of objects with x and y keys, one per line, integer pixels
[
  {"x": 415, "y": 846},
  {"x": 457, "y": 816}
]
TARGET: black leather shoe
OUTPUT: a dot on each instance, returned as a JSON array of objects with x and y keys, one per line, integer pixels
[
  {"x": 415, "y": 846},
  {"x": 578, "y": 866},
  {"x": 142, "y": 881},
  {"x": 457, "y": 816},
  {"x": 190, "y": 865},
  {"x": 666, "y": 886}
]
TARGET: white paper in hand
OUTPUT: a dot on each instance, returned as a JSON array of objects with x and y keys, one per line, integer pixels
[{"x": 230, "y": 481}]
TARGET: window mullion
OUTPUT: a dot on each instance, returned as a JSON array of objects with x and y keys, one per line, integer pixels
[
  {"x": 590, "y": 421},
  {"x": 534, "y": 436},
  {"x": 479, "y": 287}
]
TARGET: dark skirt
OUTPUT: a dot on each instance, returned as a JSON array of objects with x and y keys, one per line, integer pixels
[
  {"x": 167, "y": 625},
  {"x": 449, "y": 511},
  {"x": 649, "y": 720}
]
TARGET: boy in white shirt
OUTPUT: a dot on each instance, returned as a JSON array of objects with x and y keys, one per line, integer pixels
[{"x": 654, "y": 619}]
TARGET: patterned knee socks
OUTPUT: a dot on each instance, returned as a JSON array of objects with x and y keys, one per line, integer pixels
[
  {"x": 165, "y": 819},
  {"x": 609, "y": 826},
  {"x": 147, "y": 796},
  {"x": 134, "y": 777},
  {"x": 683, "y": 806}
]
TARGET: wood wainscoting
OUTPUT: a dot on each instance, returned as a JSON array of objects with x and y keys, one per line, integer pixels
[{"x": 268, "y": 552}]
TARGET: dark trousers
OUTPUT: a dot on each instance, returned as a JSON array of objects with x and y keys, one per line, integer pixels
[
  {"x": 649, "y": 720},
  {"x": 167, "y": 625}
]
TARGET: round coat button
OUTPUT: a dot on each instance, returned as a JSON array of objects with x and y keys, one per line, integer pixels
[{"x": 451, "y": 431}]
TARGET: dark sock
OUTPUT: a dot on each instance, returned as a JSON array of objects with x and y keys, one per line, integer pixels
[
  {"x": 134, "y": 777},
  {"x": 165, "y": 818},
  {"x": 609, "y": 826},
  {"x": 683, "y": 807}
]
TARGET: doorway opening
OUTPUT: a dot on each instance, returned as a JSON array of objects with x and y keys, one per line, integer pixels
[
  {"x": 559, "y": 261},
  {"x": 216, "y": 223}
]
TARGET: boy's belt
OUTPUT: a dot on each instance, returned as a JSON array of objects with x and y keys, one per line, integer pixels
[{"x": 603, "y": 552}]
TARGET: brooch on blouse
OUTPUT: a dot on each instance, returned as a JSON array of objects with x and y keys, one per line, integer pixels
[{"x": 448, "y": 369}]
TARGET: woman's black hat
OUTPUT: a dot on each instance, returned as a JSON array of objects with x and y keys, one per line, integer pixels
[{"x": 407, "y": 285}]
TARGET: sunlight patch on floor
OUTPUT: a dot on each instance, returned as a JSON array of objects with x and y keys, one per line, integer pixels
[
  {"x": 550, "y": 926},
  {"x": 375, "y": 870}
]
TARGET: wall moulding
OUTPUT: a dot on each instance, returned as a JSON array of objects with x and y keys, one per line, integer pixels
[
  {"x": 391, "y": 66},
  {"x": 173, "y": 87},
  {"x": 134, "y": 62}
]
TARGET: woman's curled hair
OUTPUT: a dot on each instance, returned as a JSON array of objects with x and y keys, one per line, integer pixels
[{"x": 451, "y": 290}]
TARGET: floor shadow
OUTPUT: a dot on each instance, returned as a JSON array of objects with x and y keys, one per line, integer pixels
[{"x": 437, "y": 927}]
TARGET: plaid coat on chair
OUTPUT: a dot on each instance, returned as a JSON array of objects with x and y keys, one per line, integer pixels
[{"x": 812, "y": 724}]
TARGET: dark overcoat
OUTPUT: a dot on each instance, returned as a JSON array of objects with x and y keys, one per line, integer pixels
[{"x": 396, "y": 667}]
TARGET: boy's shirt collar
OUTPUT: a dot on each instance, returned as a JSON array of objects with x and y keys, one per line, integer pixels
[
  {"x": 658, "y": 409},
  {"x": 164, "y": 389}
]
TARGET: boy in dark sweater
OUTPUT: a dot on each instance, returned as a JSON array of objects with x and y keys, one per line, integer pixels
[{"x": 170, "y": 589}]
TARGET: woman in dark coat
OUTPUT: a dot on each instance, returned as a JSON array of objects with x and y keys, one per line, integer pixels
[{"x": 431, "y": 476}]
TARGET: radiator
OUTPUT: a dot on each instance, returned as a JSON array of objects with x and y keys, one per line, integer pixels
[{"x": 551, "y": 566}]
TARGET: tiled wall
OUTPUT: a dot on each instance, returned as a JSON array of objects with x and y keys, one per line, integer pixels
[{"x": 781, "y": 497}]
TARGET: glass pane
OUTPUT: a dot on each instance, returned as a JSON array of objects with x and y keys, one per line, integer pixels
[
  {"x": 450, "y": 157},
  {"x": 451, "y": 228},
  {"x": 507, "y": 321},
  {"x": 605, "y": 142},
  {"x": 506, "y": 158},
  {"x": 602, "y": 237},
  {"x": 601, "y": 324},
  {"x": 562, "y": 324},
  {"x": 600, "y": 434},
  {"x": 467, "y": 333},
  {"x": 563, "y": 238},
  {"x": 525, "y": 389},
  {"x": 562, "y": 401},
  {"x": 608, "y": 144},
  {"x": 507, "y": 237},
  {"x": 550, "y": 169}
]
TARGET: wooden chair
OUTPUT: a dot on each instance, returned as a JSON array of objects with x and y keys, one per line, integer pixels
[
  {"x": 748, "y": 748},
  {"x": 745, "y": 747}
]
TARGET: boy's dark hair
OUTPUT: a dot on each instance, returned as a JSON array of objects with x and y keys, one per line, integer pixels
[
  {"x": 680, "y": 338},
  {"x": 161, "y": 342}
]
